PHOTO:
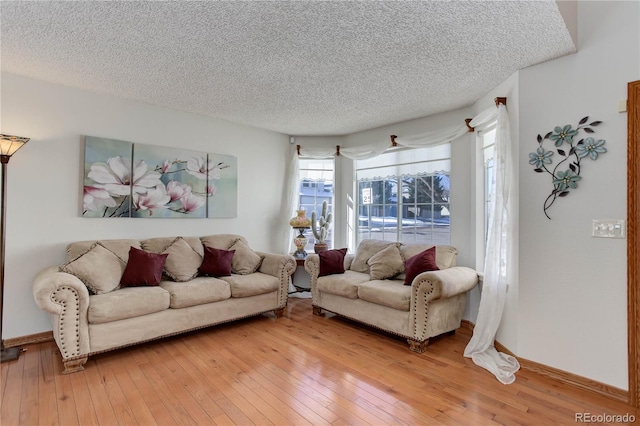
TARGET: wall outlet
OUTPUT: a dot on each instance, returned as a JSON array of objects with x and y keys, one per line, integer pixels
[{"x": 608, "y": 228}]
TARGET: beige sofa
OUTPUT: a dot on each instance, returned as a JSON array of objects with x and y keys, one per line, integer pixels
[
  {"x": 91, "y": 312},
  {"x": 431, "y": 305}
]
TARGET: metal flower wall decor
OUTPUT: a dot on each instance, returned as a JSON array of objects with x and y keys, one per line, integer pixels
[{"x": 566, "y": 178}]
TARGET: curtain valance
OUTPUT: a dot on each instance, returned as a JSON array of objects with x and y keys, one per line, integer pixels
[{"x": 376, "y": 148}]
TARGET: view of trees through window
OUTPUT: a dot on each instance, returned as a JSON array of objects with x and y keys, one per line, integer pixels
[
  {"x": 411, "y": 203},
  {"x": 411, "y": 208}
]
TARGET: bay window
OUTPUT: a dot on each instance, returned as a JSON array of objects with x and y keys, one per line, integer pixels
[{"x": 403, "y": 195}]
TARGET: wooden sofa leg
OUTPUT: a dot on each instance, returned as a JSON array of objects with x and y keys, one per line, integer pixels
[
  {"x": 74, "y": 365},
  {"x": 417, "y": 346},
  {"x": 317, "y": 310},
  {"x": 279, "y": 312}
]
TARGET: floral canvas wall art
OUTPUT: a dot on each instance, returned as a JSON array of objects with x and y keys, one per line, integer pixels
[
  {"x": 122, "y": 179},
  {"x": 181, "y": 186},
  {"x": 222, "y": 188},
  {"x": 107, "y": 178}
]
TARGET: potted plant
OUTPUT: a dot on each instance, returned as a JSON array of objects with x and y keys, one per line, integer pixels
[{"x": 320, "y": 228}]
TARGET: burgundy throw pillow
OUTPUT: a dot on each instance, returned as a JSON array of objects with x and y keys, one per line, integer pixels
[
  {"x": 143, "y": 268},
  {"x": 332, "y": 262},
  {"x": 421, "y": 262},
  {"x": 216, "y": 262}
]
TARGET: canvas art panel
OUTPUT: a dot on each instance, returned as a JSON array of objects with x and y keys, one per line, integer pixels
[
  {"x": 107, "y": 177},
  {"x": 222, "y": 186},
  {"x": 173, "y": 182},
  {"x": 123, "y": 179}
]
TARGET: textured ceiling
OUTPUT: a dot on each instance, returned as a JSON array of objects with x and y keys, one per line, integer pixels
[{"x": 296, "y": 67}]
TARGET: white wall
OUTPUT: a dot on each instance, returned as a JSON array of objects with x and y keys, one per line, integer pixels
[
  {"x": 44, "y": 180},
  {"x": 572, "y": 289}
]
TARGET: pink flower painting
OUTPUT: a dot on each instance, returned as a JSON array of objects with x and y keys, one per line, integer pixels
[{"x": 159, "y": 182}]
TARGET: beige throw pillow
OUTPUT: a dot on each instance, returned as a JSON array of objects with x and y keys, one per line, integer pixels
[
  {"x": 98, "y": 268},
  {"x": 366, "y": 249},
  {"x": 183, "y": 261},
  {"x": 245, "y": 261},
  {"x": 386, "y": 263},
  {"x": 445, "y": 255},
  {"x": 222, "y": 241}
]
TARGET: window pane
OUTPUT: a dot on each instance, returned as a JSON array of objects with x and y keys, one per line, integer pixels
[
  {"x": 412, "y": 206},
  {"x": 441, "y": 225},
  {"x": 488, "y": 154},
  {"x": 377, "y": 191},
  {"x": 424, "y": 189},
  {"x": 316, "y": 187},
  {"x": 408, "y": 189},
  {"x": 391, "y": 191},
  {"x": 486, "y": 137},
  {"x": 441, "y": 188}
]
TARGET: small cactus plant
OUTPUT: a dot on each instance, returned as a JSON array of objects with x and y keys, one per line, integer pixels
[{"x": 320, "y": 229}]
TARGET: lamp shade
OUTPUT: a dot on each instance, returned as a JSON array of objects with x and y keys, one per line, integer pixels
[
  {"x": 10, "y": 144},
  {"x": 300, "y": 220}
]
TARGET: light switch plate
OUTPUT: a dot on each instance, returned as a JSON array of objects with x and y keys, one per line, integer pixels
[
  {"x": 622, "y": 106},
  {"x": 608, "y": 228}
]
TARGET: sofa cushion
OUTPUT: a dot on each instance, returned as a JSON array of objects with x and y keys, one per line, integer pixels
[
  {"x": 98, "y": 268},
  {"x": 143, "y": 268},
  {"x": 421, "y": 262},
  {"x": 366, "y": 249},
  {"x": 216, "y": 262},
  {"x": 445, "y": 255},
  {"x": 252, "y": 285},
  {"x": 183, "y": 261},
  {"x": 222, "y": 241},
  {"x": 198, "y": 291},
  {"x": 331, "y": 262},
  {"x": 386, "y": 263},
  {"x": 126, "y": 303},
  {"x": 391, "y": 293},
  {"x": 119, "y": 247},
  {"x": 245, "y": 261},
  {"x": 345, "y": 285}
]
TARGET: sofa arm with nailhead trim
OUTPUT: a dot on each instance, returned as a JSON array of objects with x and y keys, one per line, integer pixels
[
  {"x": 432, "y": 305},
  {"x": 66, "y": 298}
]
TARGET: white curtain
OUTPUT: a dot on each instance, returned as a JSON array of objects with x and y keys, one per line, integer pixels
[
  {"x": 444, "y": 135},
  {"x": 292, "y": 186},
  {"x": 498, "y": 265},
  {"x": 364, "y": 152},
  {"x": 370, "y": 150},
  {"x": 290, "y": 197},
  {"x": 421, "y": 140}
]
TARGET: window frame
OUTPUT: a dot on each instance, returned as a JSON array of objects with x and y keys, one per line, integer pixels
[
  {"x": 318, "y": 190},
  {"x": 483, "y": 197},
  {"x": 400, "y": 203}
]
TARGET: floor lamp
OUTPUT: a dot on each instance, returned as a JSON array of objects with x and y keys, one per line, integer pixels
[{"x": 8, "y": 146}]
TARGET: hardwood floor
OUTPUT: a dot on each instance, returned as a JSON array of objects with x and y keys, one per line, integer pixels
[{"x": 300, "y": 369}]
